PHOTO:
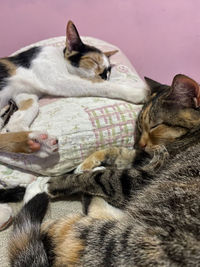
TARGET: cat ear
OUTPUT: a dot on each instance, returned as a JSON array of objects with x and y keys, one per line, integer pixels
[
  {"x": 110, "y": 53},
  {"x": 154, "y": 86},
  {"x": 73, "y": 40},
  {"x": 185, "y": 91}
]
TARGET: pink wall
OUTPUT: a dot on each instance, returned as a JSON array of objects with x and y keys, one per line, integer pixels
[{"x": 161, "y": 38}]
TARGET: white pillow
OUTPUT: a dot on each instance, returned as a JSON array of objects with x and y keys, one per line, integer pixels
[{"x": 82, "y": 125}]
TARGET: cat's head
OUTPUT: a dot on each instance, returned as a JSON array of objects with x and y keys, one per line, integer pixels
[
  {"x": 84, "y": 60},
  {"x": 172, "y": 114}
]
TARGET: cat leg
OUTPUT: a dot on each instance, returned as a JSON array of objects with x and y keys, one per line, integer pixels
[
  {"x": 28, "y": 108},
  {"x": 109, "y": 184},
  {"x": 115, "y": 186},
  {"x": 121, "y": 158},
  {"x": 28, "y": 142}
]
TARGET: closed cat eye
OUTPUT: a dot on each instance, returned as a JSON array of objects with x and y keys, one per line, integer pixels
[
  {"x": 155, "y": 126},
  {"x": 104, "y": 74}
]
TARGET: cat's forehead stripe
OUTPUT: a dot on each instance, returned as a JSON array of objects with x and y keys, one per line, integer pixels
[{"x": 145, "y": 114}]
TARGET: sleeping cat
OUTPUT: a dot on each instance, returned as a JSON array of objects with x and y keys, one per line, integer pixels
[
  {"x": 158, "y": 196},
  {"x": 78, "y": 70}
]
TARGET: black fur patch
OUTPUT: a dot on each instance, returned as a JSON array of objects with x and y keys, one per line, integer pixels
[
  {"x": 86, "y": 200},
  {"x": 4, "y": 74},
  {"x": 25, "y": 58},
  {"x": 97, "y": 178},
  {"x": 108, "y": 256},
  {"x": 125, "y": 237},
  {"x": 104, "y": 74},
  {"x": 12, "y": 194},
  {"x": 49, "y": 248},
  {"x": 126, "y": 183},
  {"x": 104, "y": 230},
  {"x": 37, "y": 207},
  {"x": 27, "y": 222},
  {"x": 9, "y": 112}
]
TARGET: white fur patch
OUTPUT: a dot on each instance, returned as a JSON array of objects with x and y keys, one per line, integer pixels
[
  {"x": 99, "y": 208},
  {"x": 36, "y": 187}
]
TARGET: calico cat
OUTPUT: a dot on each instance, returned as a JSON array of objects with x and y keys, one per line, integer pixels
[
  {"x": 158, "y": 220},
  {"x": 50, "y": 70}
]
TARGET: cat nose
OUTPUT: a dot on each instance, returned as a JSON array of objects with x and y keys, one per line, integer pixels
[{"x": 143, "y": 145}]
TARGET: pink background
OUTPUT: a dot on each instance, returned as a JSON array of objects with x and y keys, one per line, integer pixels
[{"x": 161, "y": 38}]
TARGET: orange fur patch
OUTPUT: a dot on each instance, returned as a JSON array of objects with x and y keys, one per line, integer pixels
[
  {"x": 17, "y": 245},
  {"x": 25, "y": 104},
  {"x": 68, "y": 247},
  {"x": 11, "y": 67},
  {"x": 14, "y": 142},
  {"x": 92, "y": 60},
  {"x": 145, "y": 126},
  {"x": 98, "y": 157},
  {"x": 190, "y": 119}
]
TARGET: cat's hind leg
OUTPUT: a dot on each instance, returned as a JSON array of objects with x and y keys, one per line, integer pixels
[
  {"x": 39, "y": 143},
  {"x": 28, "y": 108}
]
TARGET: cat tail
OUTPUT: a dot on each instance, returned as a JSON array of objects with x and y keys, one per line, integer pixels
[
  {"x": 26, "y": 247},
  {"x": 14, "y": 194}
]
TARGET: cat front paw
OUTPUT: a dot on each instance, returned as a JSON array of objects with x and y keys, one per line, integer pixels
[
  {"x": 88, "y": 165},
  {"x": 42, "y": 144},
  {"x": 92, "y": 162},
  {"x": 83, "y": 168}
]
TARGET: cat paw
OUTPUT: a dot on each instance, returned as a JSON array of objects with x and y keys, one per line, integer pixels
[
  {"x": 94, "y": 160},
  {"x": 38, "y": 186},
  {"x": 101, "y": 168},
  {"x": 41, "y": 144},
  {"x": 87, "y": 165}
]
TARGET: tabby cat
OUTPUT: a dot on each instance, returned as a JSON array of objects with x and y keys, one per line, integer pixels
[
  {"x": 49, "y": 70},
  {"x": 154, "y": 219}
]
